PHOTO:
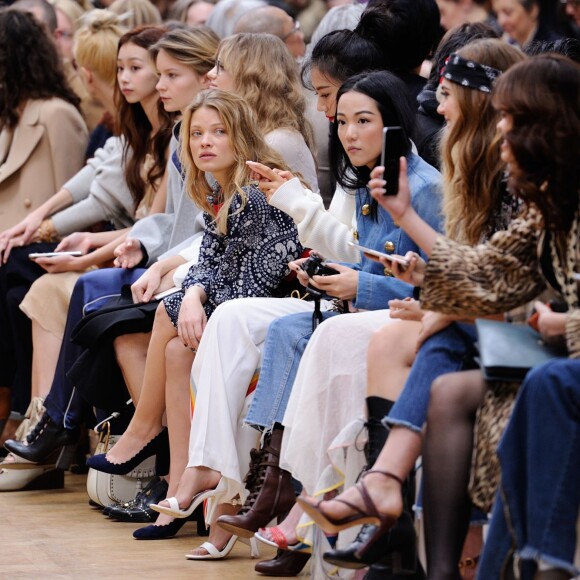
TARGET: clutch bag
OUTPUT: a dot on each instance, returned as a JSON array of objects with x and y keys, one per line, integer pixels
[{"x": 508, "y": 351}]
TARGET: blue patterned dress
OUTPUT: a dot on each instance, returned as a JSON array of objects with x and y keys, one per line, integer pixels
[{"x": 250, "y": 260}]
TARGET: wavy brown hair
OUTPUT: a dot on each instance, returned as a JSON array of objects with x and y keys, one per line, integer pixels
[
  {"x": 133, "y": 124},
  {"x": 246, "y": 140},
  {"x": 265, "y": 74},
  {"x": 542, "y": 97},
  {"x": 30, "y": 67},
  {"x": 471, "y": 164}
]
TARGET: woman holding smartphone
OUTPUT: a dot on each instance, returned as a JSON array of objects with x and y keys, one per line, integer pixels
[
  {"x": 502, "y": 273},
  {"x": 216, "y": 464},
  {"x": 145, "y": 139},
  {"x": 182, "y": 59},
  {"x": 473, "y": 210},
  {"x": 119, "y": 183}
]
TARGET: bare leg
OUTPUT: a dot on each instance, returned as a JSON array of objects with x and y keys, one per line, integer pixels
[
  {"x": 447, "y": 458},
  {"x": 399, "y": 340},
  {"x": 131, "y": 355},
  {"x": 288, "y": 526},
  {"x": 44, "y": 358},
  {"x": 146, "y": 422},
  {"x": 177, "y": 399}
]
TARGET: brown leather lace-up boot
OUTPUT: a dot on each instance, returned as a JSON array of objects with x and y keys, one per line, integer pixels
[{"x": 271, "y": 491}]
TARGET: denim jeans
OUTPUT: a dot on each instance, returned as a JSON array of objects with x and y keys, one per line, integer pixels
[
  {"x": 447, "y": 351},
  {"x": 92, "y": 291},
  {"x": 540, "y": 465},
  {"x": 285, "y": 343}
]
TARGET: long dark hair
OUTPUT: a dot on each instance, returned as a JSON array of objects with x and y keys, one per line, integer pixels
[
  {"x": 394, "y": 104},
  {"x": 542, "y": 95},
  {"x": 29, "y": 66},
  {"x": 133, "y": 124}
]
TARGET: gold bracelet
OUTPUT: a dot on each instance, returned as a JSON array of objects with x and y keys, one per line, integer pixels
[{"x": 46, "y": 231}]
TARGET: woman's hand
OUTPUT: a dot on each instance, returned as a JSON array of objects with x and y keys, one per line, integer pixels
[
  {"x": 192, "y": 319},
  {"x": 20, "y": 235},
  {"x": 25, "y": 229},
  {"x": 413, "y": 274},
  {"x": 269, "y": 180},
  {"x": 79, "y": 241},
  {"x": 396, "y": 205},
  {"x": 552, "y": 325},
  {"x": 343, "y": 285},
  {"x": 296, "y": 266},
  {"x": 128, "y": 254},
  {"x": 407, "y": 309},
  {"x": 148, "y": 284},
  {"x": 57, "y": 264},
  {"x": 433, "y": 322}
]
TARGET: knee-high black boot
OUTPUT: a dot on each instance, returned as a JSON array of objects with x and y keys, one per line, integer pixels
[{"x": 394, "y": 555}]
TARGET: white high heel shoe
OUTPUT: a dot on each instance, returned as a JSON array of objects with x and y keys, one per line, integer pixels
[
  {"x": 214, "y": 554},
  {"x": 174, "y": 511}
]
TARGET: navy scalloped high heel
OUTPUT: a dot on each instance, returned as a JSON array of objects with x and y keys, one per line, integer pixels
[
  {"x": 170, "y": 530},
  {"x": 159, "y": 446},
  {"x": 165, "y": 532}
]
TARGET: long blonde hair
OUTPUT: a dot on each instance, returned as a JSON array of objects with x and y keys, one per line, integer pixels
[
  {"x": 266, "y": 75},
  {"x": 247, "y": 143},
  {"x": 471, "y": 164}
]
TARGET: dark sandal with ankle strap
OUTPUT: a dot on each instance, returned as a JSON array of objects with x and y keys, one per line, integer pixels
[{"x": 368, "y": 515}]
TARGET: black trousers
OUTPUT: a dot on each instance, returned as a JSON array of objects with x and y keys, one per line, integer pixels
[{"x": 16, "y": 277}]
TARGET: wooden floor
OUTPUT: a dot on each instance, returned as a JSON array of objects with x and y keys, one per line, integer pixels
[{"x": 56, "y": 534}]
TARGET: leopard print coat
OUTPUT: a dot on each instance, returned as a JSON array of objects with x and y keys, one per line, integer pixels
[{"x": 503, "y": 273}]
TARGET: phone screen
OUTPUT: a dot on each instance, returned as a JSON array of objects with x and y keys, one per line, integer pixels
[{"x": 393, "y": 149}]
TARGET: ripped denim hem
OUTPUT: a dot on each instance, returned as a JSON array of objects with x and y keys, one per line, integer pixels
[
  {"x": 529, "y": 553},
  {"x": 390, "y": 422},
  {"x": 258, "y": 425}
]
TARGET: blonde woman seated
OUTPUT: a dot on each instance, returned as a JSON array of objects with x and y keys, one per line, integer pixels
[{"x": 245, "y": 251}]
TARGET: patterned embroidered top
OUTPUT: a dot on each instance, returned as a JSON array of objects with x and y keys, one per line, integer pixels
[{"x": 250, "y": 260}]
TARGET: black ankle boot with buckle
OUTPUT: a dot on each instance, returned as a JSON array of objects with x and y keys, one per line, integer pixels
[
  {"x": 271, "y": 491},
  {"x": 45, "y": 441},
  {"x": 137, "y": 510}
]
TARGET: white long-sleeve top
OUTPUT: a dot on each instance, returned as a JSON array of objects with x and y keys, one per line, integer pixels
[{"x": 326, "y": 231}]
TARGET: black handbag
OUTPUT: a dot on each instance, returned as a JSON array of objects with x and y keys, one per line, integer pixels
[
  {"x": 508, "y": 351},
  {"x": 96, "y": 373}
]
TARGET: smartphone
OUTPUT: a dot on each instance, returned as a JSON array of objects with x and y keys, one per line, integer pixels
[
  {"x": 167, "y": 292},
  {"x": 33, "y": 256},
  {"x": 376, "y": 253},
  {"x": 394, "y": 146}
]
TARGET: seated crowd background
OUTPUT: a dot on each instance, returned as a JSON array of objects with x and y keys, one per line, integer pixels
[{"x": 271, "y": 226}]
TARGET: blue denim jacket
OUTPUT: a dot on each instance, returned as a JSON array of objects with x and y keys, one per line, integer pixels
[{"x": 374, "y": 288}]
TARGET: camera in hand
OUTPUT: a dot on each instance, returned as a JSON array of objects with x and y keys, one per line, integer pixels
[{"x": 316, "y": 266}]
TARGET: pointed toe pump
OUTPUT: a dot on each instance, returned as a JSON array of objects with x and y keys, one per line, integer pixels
[{"x": 159, "y": 446}]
